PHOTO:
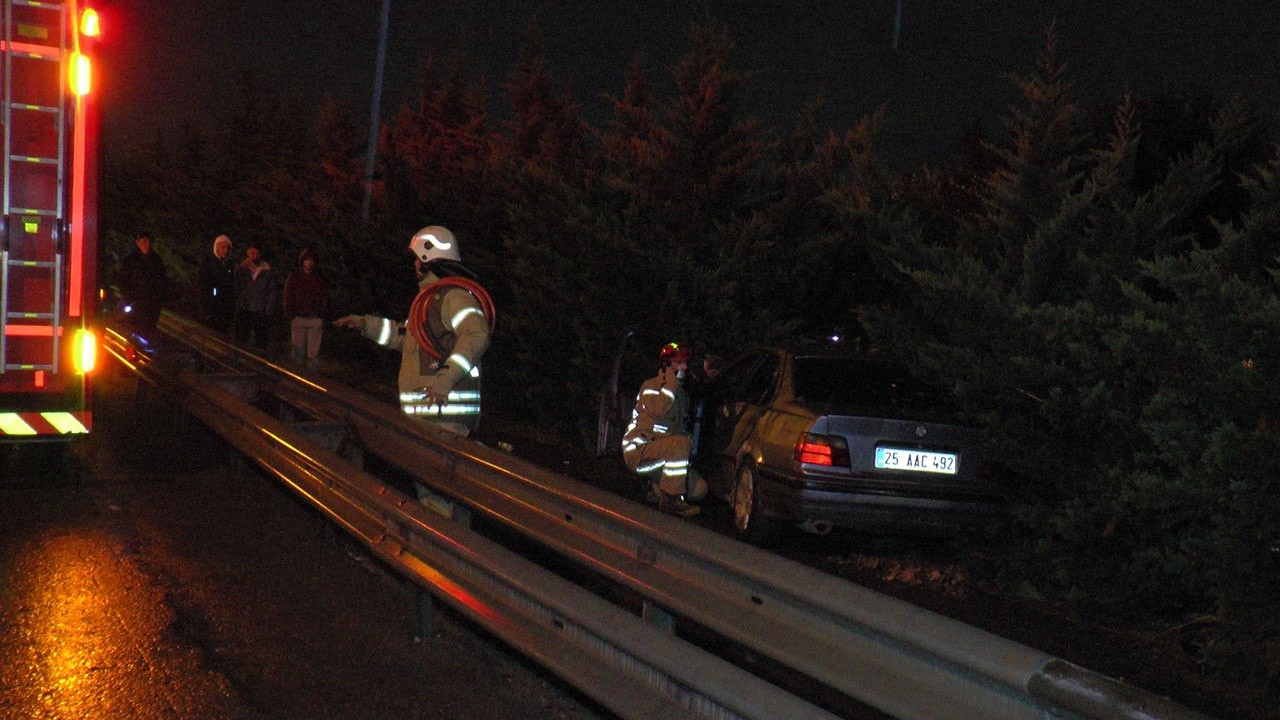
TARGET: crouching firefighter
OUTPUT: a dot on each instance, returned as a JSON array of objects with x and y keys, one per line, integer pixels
[
  {"x": 449, "y": 324},
  {"x": 657, "y": 443}
]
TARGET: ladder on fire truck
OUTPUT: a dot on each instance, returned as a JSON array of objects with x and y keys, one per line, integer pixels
[{"x": 32, "y": 228}]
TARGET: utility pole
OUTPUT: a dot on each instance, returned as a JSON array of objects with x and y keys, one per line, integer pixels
[
  {"x": 897, "y": 27},
  {"x": 376, "y": 110}
]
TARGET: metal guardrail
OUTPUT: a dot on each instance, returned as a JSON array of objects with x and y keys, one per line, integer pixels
[{"x": 849, "y": 641}]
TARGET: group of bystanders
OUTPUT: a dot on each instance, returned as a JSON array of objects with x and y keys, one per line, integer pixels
[
  {"x": 449, "y": 325},
  {"x": 237, "y": 299}
]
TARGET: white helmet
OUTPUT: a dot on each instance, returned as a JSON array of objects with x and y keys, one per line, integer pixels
[{"x": 434, "y": 243}]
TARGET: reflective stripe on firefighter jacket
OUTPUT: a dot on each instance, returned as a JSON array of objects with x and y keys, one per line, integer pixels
[{"x": 457, "y": 323}]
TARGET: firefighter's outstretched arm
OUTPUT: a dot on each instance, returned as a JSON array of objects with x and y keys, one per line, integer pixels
[{"x": 388, "y": 333}]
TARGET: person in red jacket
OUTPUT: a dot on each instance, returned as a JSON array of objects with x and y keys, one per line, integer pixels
[{"x": 306, "y": 304}]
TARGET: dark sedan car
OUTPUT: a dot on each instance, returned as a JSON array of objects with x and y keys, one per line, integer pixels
[{"x": 819, "y": 437}]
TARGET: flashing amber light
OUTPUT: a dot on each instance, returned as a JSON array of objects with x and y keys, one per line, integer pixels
[
  {"x": 90, "y": 25},
  {"x": 827, "y": 450},
  {"x": 86, "y": 355},
  {"x": 81, "y": 74}
]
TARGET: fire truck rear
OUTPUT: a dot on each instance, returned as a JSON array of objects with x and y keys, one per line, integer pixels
[{"x": 48, "y": 229}]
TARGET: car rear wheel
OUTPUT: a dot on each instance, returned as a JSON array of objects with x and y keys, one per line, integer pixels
[{"x": 748, "y": 521}]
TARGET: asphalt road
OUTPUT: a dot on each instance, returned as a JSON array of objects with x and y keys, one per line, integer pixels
[{"x": 163, "y": 578}]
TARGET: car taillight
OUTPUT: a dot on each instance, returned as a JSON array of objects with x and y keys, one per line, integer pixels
[{"x": 828, "y": 450}]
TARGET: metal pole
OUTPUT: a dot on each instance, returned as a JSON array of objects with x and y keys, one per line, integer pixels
[
  {"x": 375, "y": 110},
  {"x": 897, "y": 26}
]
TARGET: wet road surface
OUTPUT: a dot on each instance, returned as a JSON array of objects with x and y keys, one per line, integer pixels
[{"x": 162, "y": 578}]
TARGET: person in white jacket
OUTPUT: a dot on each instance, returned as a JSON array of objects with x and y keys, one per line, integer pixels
[{"x": 444, "y": 390}]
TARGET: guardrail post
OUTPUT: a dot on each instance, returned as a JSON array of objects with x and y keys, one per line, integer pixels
[
  {"x": 424, "y": 613},
  {"x": 352, "y": 453},
  {"x": 442, "y": 505},
  {"x": 658, "y": 616},
  {"x": 328, "y": 531}
]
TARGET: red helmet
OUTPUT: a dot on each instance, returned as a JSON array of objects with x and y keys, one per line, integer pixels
[{"x": 672, "y": 352}]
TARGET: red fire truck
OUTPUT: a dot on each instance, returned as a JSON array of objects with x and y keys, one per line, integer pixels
[{"x": 48, "y": 228}]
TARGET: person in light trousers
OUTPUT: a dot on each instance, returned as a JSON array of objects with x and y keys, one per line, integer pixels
[{"x": 306, "y": 304}]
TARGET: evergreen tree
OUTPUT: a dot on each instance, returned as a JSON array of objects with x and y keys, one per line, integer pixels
[
  {"x": 135, "y": 181},
  {"x": 167, "y": 188},
  {"x": 546, "y": 129},
  {"x": 560, "y": 320},
  {"x": 339, "y": 151},
  {"x": 1043, "y": 162},
  {"x": 439, "y": 167},
  {"x": 683, "y": 175},
  {"x": 657, "y": 229},
  {"x": 825, "y": 220},
  {"x": 318, "y": 205},
  {"x": 1200, "y": 514},
  {"x": 715, "y": 161},
  {"x": 1116, "y": 351},
  {"x": 264, "y": 138},
  {"x": 551, "y": 259},
  {"x": 636, "y": 149}
]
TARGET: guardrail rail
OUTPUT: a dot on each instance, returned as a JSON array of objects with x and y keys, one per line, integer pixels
[{"x": 648, "y": 615}]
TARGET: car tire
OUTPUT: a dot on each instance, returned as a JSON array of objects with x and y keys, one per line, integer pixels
[{"x": 749, "y": 521}]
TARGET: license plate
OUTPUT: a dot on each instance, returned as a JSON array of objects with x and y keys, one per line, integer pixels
[{"x": 915, "y": 460}]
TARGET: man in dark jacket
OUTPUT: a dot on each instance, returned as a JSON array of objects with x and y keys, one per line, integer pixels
[
  {"x": 216, "y": 282},
  {"x": 306, "y": 304},
  {"x": 256, "y": 293},
  {"x": 144, "y": 287}
]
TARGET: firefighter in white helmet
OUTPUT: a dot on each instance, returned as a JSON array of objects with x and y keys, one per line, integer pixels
[
  {"x": 657, "y": 444},
  {"x": 448, "y": 332}
]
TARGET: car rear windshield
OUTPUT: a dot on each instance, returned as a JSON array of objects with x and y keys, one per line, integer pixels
[{"x": 858, "y": 382}]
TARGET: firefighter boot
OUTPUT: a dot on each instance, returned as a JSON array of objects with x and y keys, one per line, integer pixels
[{"x": 676, "y": 505}]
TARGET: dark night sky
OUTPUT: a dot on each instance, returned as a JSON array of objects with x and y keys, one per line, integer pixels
[{"x": 165, "y": 61}]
